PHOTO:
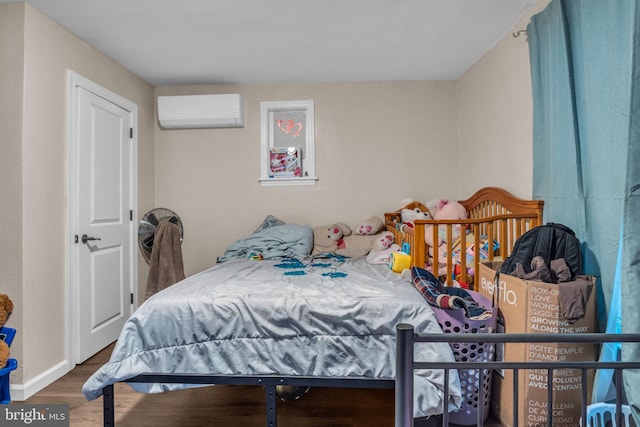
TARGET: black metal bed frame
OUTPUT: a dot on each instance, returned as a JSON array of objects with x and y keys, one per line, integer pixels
[
  {"x": 405, "y": 365},
  {"x": 269, "y": 382}
]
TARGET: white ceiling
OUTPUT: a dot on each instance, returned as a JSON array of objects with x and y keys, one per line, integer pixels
[{"x": 175, "y": 42}]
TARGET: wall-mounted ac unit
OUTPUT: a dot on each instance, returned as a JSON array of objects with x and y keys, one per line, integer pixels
[{"x": 201, "y": 111}]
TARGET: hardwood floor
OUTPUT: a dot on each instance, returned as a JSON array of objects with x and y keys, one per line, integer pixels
[{"x": 219, "y": 405}]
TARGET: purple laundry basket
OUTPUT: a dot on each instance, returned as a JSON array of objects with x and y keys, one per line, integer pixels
[{"x": 454, "y": 321}]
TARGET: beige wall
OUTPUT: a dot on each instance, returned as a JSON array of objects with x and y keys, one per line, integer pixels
[
  {"x": 48, "y": 51},
  {"x": 495, "y": 117},
  {"x": 11, "y": 86},
  {"x": 376, "y": 144}
]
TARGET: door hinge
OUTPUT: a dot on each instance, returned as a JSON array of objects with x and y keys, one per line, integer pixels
[
  {"x": 131, "y": 297},
  {"x": 131, "y": 215},
  {"x": 131, "y": 133}
]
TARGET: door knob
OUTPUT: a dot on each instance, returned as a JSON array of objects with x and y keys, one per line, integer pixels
[{"x": 86, "y": 238}]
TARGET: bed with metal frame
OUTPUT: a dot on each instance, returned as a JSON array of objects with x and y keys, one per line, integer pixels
[{"x": 247, "y": 322}]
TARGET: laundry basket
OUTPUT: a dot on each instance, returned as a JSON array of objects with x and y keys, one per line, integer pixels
[
  {"x": 604, "y": 415},
  {"x": 455, "y": 321}
]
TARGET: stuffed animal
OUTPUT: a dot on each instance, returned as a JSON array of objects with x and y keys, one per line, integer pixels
[
  {"x": 338, "y": 239},
  {"x": 450, "y": 210},
  {"x": 6, "y": 307},
  {"x": 4, "y": 354},
  {"x": 444, "y": 210},
  {"x": 413, "y": 210},
  {"x": 372, "y": 225}
]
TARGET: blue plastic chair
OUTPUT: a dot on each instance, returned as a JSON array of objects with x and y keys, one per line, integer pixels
[
  {"x": 604, "y": 415},
  {"x": 6, "y": 335}
]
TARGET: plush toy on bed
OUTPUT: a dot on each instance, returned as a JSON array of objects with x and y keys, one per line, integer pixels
[
  {"x": 339, "y": 239},
  {"x": 444, "y": 210},
  {"x": 6, "y": 307},
  {"x": 372, "y": 225}
]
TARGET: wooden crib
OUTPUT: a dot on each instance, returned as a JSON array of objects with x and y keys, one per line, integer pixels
[{"x": 496, "y": 217}]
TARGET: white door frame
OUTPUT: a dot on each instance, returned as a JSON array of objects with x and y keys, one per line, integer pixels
[{"x": 75, "y": 81}]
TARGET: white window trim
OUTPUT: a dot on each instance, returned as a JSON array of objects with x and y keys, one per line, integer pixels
[{"x": 267, "y": 108}]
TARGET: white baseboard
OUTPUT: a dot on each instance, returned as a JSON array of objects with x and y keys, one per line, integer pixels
[{"x": 21, "y": 392}]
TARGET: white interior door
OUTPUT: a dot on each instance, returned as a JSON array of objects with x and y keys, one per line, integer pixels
[{"x": 104, "y": 216}]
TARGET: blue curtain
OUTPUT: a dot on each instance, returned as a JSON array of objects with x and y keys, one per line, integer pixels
[{"x": 586, "y": 137}]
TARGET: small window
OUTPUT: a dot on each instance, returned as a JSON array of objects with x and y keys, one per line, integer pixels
[{"x": 288, "y": 143}]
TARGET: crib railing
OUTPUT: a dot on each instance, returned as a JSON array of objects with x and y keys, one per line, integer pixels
[
  {"x": 406, "y": 364},
  {"x": 499, "y": 231}
]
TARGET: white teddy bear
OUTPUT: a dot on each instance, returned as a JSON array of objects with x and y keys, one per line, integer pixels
[{"x": 339, "y": 239}]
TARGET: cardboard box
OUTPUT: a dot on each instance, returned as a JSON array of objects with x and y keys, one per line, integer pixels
[{"x": 534, "y": 307}]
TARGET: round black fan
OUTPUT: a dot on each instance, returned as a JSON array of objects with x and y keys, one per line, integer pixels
[{"x": 148, "y": 225}]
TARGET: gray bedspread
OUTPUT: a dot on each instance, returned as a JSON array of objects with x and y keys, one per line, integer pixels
[{"x": 317, "y": 316}]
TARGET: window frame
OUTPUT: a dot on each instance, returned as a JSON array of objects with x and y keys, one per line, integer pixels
[{"x": 267, "y": 131}]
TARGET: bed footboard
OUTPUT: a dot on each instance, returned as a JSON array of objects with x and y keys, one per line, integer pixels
[{"x": 405, "y": 365}]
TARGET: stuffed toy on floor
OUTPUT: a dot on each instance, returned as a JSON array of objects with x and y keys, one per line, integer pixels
[
  {"x": 6, "y": 307},
  {"x": 339, "y": 239}
]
